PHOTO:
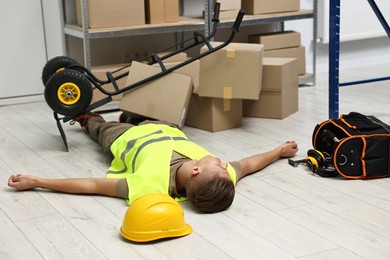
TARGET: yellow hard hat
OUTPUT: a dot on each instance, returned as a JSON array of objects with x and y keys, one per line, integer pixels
[{"x": 154, "y": 216}]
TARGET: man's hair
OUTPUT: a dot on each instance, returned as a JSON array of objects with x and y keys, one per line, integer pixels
[{"x": 213, "y": 196}]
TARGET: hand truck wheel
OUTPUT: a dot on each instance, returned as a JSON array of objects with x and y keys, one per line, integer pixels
[
  {"x": 68, "y": 93},
  {"x": 55, "y": 65}
]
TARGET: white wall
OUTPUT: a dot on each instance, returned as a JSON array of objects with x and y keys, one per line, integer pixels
[
  {"x": 53, "y": 28},
  {"x": 25, "y": 45},
  {"x": 352, "y": 54}
]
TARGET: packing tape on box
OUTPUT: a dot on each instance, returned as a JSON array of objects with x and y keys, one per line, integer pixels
[
  {"x": 227, "y": 105},
  {"x": 227, "y": 96},
  {"x": 230, "y": 53},
  {"x": 227, "y": 92},
  {"x": 231, "y": 50}
]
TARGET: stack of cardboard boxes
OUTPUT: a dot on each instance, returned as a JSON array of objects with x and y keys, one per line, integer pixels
[
  {"x": 284, "y": 61},
  {"x": 282, "y": 44},
  {"x": 226, "y": 78},
  {"x": 121, "y": 13},
  {"x": 215, "y": 92},
  {"x": 279, "y": 95},
  {"x": 161, "y": 11},
  {"x": 228, "y": 8},
  {"x": 255, "y": 79},
  {"x": 269, "y": 6}
]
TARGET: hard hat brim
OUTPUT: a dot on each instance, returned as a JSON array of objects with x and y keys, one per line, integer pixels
[{"x": 155, "y": 235}]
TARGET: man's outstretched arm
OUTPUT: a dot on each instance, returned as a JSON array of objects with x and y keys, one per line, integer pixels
[
  {"x": 257, "y": 162},
  {"x": 100, "y": 186}
]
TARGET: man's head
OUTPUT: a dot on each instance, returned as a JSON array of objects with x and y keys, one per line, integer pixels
[{"x": 210, "y": 188}]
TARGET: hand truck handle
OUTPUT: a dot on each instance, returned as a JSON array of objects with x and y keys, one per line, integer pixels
[
  {"x": 216, "y": 12},
  {"x": 237, "y": 23}
]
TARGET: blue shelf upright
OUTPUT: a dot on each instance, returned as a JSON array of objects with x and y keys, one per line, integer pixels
[{"x": 334, "y": 55}]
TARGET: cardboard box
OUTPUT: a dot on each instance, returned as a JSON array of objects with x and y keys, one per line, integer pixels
[
  {"x": 277, "y": 40},
  {"x": 279, "y": 96},
  {"x": 228, "y": 4},
  {"x": 295, "y": 52},
  {"x": 114, "y": 13},
  {"x": 100, "y": 73},
  {"x": 190, "y": 70},
  {"x": 269, "y": 6},
  {"x": 279, "y": 74},
  {"x": 171, "y": 11},
  {"x": 175, "y": 58},
  {"x": 227, "y": 14},
  {"x": 161, "y": 11},
  {"x": 233, "y": 72},
  {"x": 165, "y": 98},
  {"x": 214, "y": 114}
]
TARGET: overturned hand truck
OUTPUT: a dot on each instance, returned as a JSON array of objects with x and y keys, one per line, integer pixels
[
  {"x": 69, "y": 85},
  {"x": 354, "y": 146}
]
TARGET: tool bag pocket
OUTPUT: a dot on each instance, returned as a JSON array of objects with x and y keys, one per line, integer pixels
[{"x": 363, "y": 156}]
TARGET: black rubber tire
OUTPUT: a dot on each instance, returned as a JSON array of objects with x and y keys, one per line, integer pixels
[
  {"x": 55, "y": 64},
  {"x": 68, "y": 93}
]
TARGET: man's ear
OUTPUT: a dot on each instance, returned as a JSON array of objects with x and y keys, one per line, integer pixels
[{"x": 195, "y": 171}]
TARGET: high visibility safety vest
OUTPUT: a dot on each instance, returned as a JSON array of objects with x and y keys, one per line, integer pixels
[{"x": 143, "y": 153}]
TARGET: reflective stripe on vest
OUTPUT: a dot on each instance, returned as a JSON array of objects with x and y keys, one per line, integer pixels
[{"x": 130, "y": 145}]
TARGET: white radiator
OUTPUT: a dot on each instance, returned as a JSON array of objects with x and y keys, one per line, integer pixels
[{"x": 357, "y": 20}]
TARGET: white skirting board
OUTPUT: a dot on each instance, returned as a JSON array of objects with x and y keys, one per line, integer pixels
[{"x": 21, "y": 99}]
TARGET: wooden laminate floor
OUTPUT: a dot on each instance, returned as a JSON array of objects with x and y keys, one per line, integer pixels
[{"x": 279, "y": 213}]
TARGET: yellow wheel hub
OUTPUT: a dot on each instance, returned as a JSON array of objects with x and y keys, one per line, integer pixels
[{"x": 68, "y": 93}]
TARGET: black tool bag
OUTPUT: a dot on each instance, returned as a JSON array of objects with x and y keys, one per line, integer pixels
[{"x": 356, "y": 145}]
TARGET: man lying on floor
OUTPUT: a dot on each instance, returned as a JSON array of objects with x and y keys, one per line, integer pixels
[{"x": 157, "y": 157}]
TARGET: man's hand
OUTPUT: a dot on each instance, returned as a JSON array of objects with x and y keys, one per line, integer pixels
[
  {"x": 288, "y": 149},
  {"x": 22, "y": 182}
]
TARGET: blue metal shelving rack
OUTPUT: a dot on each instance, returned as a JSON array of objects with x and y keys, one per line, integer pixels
[{"x": 334, "y": 54}]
